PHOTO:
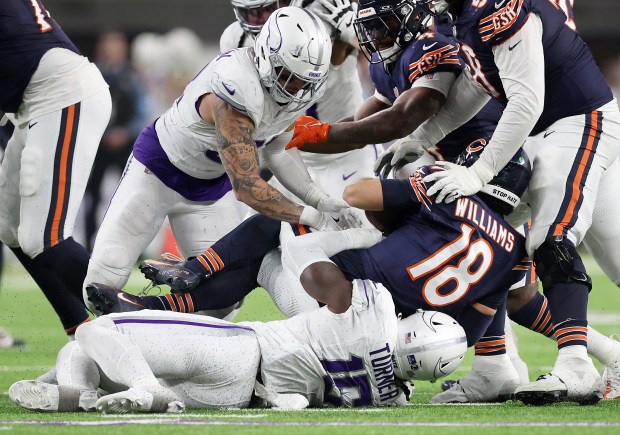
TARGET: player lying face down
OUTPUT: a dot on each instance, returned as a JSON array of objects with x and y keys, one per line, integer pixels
[{"x": 418, "y": 261}]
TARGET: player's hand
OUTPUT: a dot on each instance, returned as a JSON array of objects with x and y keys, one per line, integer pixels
[
  {"x": 328, "y": 204},
  {"x": 308, "y": 130},
  {"x": 318, "y": 220},
  {"x": 400, "y": 153},
  {"x": 340, "y": 14},
  {"x": 455, "y": 181}
]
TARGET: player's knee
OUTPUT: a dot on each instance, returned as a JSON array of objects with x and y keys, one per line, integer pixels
[
  {"x": 88, "y": 332},
  {"x": 557, "y": 261},
  {"x": 30, "y": 172},
  {"x": 8, "y": 233},
  {"x": 517, "y": 298},
  {"x": 31, "y": 242}
]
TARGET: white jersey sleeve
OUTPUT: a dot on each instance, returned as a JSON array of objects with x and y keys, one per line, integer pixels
[
  {"x": 234, "y": 37},
  {"x": 334, "y": 359},
  {"x": 190, "y": 142}
]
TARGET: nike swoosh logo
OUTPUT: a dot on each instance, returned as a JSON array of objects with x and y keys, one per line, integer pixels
[
  {"x": 123, "y": 298},
  {"x": 336, "y": 220},
  {"x": 511, "y": 47},
  {"x": 547, "y": 133},
  {"x": 33, "y": 124},
  {"x": 230, "y": 91},
  {"x": 346, "y": 177},
  {"x": 499, "y": 5},
  {"x": 428, "y": 47}
]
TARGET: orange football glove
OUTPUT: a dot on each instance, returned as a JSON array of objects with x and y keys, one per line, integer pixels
[{"x": 308, "y": 130}]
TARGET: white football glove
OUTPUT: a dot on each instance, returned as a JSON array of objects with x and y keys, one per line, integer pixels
[
  {"x": 327, "y": 204},
  {"x": 401, "y": 152},
  {"x": 457, "y": 180},
  {"x": 340, "y": 14},
  {"x": 317, "y": 220}
]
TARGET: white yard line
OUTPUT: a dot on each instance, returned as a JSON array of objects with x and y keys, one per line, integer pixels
[{"x": 304, "y": 424}]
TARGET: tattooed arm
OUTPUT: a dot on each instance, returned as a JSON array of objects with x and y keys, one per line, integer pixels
[{"x": 238, "y": 153}]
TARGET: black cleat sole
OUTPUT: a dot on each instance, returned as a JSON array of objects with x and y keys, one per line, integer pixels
[{"x": 540, "y": 398}]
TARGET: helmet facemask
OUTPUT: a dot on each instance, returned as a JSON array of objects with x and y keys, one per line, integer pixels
[
  {"x": 289, "y": 89},
  {"x": 382, "y": 36},
  {"x": 292, "y": 54}
]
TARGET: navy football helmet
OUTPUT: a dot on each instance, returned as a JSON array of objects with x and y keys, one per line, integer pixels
[
  {"x": 385, "y": 27},
  {"x": 503, "y": 192}
]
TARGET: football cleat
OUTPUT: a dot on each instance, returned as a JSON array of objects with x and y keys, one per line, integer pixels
[
  {"x": 491, "y": 379},
  {"x": 611, "y": 377},
  {"x": 106, "y": 299},
  {"x": 137, "y": 400},
  {"x": 172, "y": 272},
  {"x": 572, "y": 379},
  {"x": 39, "y": 396}
]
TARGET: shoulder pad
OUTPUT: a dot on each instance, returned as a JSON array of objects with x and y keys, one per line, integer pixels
[
  {"x": 429, "y": 54},
  {"x": 232, "y": 37},
  {"x": 500, "y": 19}
]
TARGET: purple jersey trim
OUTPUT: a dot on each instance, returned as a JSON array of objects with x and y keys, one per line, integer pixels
[
  {"x": 180, "y": 322},
  {"x": 148, "y": 151}
]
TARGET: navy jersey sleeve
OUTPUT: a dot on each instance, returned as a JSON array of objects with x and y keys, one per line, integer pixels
[
  {"x": 430, "y": 54},
  {"x": 500, "y": 19},
  {"x": 407, "y": 193}
]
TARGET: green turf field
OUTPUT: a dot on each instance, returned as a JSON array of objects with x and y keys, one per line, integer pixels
[{"x": 25, "y": 312}]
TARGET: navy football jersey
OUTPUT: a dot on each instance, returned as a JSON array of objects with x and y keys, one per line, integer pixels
[
  {"x": 27, "y": 32},
  {"x": 435, "y": 52},
  {"x": 574, "y": 84},
  {"x": 444, "y": 256},
  {"x": 429, "y": 54}
]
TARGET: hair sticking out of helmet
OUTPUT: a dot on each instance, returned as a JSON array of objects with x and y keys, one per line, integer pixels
[
  {"x": 292, "y": 55},
  {"x": 430, "y": 345},
  {"x": 385, "y": 27},
  {"x": 253, "y": 14},
  {"x": 503, "y": 192}
]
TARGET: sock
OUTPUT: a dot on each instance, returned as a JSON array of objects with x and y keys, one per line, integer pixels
[
  {"x": 75, "y": 368},
  {"x": 493, "y": 342},
  {"x": 69, "y": 308},
  {"x": 286, "y": 292},
  {"x": 604, "y": 349},
  {"x": 69, "y": 261},
  {"x": 219, "y": 291},
  {"x": 117, "y": 356},
  {"x": 535, "y": 315},
  {"x": 568, "y": 303},
  {"x": 251, "y": 240},
  {"x": 182, "y": 303}
]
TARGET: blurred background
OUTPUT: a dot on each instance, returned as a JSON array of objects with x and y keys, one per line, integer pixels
[{"x": 148, "y": 50}]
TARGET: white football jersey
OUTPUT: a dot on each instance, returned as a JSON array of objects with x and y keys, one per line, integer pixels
[
  {"x": 343, "y": 89},
  {"x": 186, "y": 137},
  {"x": 338, "y": 359},
  {"x": 234, "y": 37}
]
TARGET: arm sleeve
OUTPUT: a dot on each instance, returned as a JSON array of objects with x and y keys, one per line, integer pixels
[
  {"x": 465, "y": 99},
  {"x": 290, "y": 170},
  {"x": 521, "y": 65},
  {"x": 441, "y": 82}
]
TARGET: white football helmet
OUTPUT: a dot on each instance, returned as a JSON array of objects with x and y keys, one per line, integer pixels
[
  {"x": 292, "y": 55},
  {"x": 252, "y": 14},
  {"x": 430, "y": 346}
]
